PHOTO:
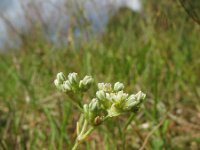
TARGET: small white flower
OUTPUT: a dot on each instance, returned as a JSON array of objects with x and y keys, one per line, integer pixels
[
  {"x": 94, "y": 104},
  {"x": 119, "y": 96},
  {"x": 88, "y": 80},
  {"x": 101, "y": 95},
  {"x": 91, "y": 111},
  {"x": 57, "y": 84},
  {"x": 119, "y": 99},
  {"x": 73, "y": 78},
  {"x": 86, "y": 83},
  {"x": 109, "y": 96},
  {"x": 134, "y": 100},
  {"x": 113, "y": 111},
  {"x": 140, "y": 95},
  {"x": 107, "y": 87},
  {"x": 100, "y": 86},
  {"x": 60, "y": 77},
  {"x": 66, "y": 86},
  {"x": 118, "y": 86}
]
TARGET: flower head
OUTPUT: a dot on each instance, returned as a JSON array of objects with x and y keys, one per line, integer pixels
[
  {"x": 134, "y": 101},
  {"x": 109, "y": 101},
  {"x": 122, "y": 103},
  {"x": 119, "y": 99},
  {"x": 104, "y": 98},
  {"x": 91, "y": 111}
]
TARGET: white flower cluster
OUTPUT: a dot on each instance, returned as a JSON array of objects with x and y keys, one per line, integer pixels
[
  {"x": 72, "y": 83},
  {"x": 115, "y": 101},
  {"x": 111, "y": 102},
  {"x": 92, "y": 111}
]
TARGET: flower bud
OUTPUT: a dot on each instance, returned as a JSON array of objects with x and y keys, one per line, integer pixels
[
  {"x": 86, "y": 83},
  {"x": 140, "y": 95},
  {"x": 100, "y": 86},
  {"x": 104, "y": 99},
  {"x": 107, "y": 87},
  {"x": 73, "y": 78},
  {"x": 66, "y": 86},
  {"x": 134, "y": 101},
  {"x": 60, "y": 77},
  {"x": 91, "y": 111},
  {"x": 101, "y": 95},
  {"x": 109, "y": 96},
  {"x": 121, "y": 95},
  {"x": 114, "y": 111},
  {"x": 119, "y": 99},
  {"x": 57, "y": 84},
  {"x": 118, "y": 86},
  {"x": 94, "y": 104},
  {"x": 88, "y": 80}
]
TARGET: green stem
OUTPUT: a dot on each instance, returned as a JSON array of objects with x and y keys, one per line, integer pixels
[
  {"x": 87, "y": 133},
  {"x": 105, "y": 118},
  {"x": 79, "y": 134},
  {"x": 76, "y": 104},
  {"x": 75, "y": 145},
  {"x": 124, "y": 130},
  {"x": 83, "y": 135},
  {"x": 82, "y": 130},
  {"x": 129, "y": 121},
  {"x": 81, "y": 138}
]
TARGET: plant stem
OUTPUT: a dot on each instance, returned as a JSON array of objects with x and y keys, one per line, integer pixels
[
  {"x": 76, "y": 104},
  {"x": 79, "y": 137},
  {"x": 87, "y": 133},
  {"x": 105, "y": 118},
  {"x": 82, "y": 135},
  {"x": 124, "y": 130},
  {"x": 129, "y": 121},
  {"x": 75, "y": 145}
]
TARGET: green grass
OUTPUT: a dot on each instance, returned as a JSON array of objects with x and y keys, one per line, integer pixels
[{"x": 158, "y": 54}]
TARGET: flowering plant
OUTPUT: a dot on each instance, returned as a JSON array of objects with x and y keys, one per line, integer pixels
[{"x": 108, "y": 102}]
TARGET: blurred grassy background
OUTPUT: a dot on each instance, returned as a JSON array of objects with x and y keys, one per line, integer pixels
[{"x": 157, "y": 53}]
